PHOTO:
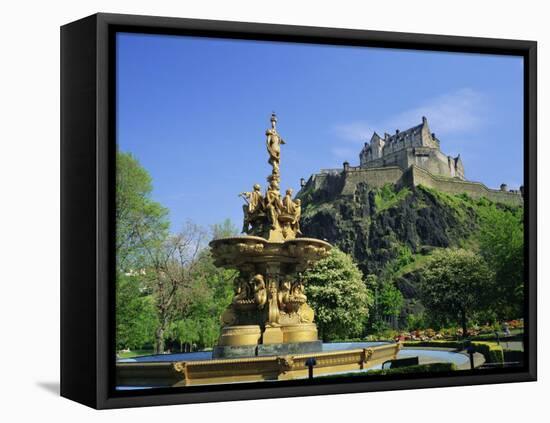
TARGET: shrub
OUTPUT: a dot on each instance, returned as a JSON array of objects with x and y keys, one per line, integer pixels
[{"x": 491, "y": 350}]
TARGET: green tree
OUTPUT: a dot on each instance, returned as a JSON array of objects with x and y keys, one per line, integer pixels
[
  {"x": 389, "y": 299},
  {"x": 211, "y": 294},
  {"x": 207, "y": 292},
  {"x": 170, "y": 276},
  {"x": 501, "y": 244},
  {"x": 338, "y": 295},
  {"x": 185, "y": 331},
  {"x": 135, "y": 314},
  {"x": 224, "y": 229},
  {"x": 455, "y": 284},
  {"x": 141, "y": 225},
  {"x": 140, "y": 221}
]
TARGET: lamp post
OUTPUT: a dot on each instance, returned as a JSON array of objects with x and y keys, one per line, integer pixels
[
  {"x": 471, "y": 350},
  {"x": 310, "y": 362}
]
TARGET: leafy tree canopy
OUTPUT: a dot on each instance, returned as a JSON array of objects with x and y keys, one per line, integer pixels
[
  {"x": 456, "y": 283},
  {"x": 135, "y": 314},
  {"x": 338, "y": 295},
  {"x": 501, "y": 244},
  {"x": 224, "y": 229},
  {"x": 140, "y": 221}
]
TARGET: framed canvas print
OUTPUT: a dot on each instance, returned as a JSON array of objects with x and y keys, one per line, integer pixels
[{"x": 258, "y": 211}]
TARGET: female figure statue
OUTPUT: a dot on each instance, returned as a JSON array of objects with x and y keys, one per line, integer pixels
[
  {"x": 273, "y": 143},
  {"x": 273, "y": 204}
]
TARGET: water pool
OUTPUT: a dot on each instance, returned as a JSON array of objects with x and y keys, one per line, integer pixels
[{"x": 207, "y": 355}]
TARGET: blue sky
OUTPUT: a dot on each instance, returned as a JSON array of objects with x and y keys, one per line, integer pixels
[{"x": 194, "y": 112}]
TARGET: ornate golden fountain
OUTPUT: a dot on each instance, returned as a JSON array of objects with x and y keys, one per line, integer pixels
[
  {"x": 269, "y": 313},
  {"x": 268, "y": 331}
]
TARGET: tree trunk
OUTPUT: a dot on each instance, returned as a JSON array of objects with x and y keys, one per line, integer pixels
[
  {"x": 464, "y": 323},
  {"x": 159, "y": 340}
]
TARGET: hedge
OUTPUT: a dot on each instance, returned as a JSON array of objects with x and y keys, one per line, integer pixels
[
  {"x": 458, "y": 345},
  {"x": 491, "y": 350},
  {"x": 502, "y": 337},
  {"x": 420, "y": 368}
]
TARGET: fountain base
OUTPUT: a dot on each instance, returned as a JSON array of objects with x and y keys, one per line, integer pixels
[
  {"x": 242, "y": 335},
  {"x": 249, "y": 341},
  {"x": 264, "y": 350},
  {"x": 272, "y": 335},
  {"x": 289, "y": 348}
]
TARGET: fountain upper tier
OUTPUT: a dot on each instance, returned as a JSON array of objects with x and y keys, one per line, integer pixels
[{"x": 241, "y": 251}]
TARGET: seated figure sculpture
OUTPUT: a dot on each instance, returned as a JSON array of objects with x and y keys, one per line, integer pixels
[
  {"x": 294, "y": 209},
  {"x": 253, "y": 206}
]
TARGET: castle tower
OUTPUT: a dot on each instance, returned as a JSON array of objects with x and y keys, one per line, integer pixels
[{"x": 373, "y": 150}]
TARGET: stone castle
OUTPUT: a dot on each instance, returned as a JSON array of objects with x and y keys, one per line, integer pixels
[
  {"x": 415, "y": 146},
  {"x": 407, "y": 158}
]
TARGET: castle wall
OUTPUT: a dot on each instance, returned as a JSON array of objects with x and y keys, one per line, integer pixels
[
  {"x": 415, "y": 176},
  {"x": 336, "y": 182},
  {"x": 330, "y": 181},
  {"x": 375, "y": 178},
  {"x": 434, "y": 161}
]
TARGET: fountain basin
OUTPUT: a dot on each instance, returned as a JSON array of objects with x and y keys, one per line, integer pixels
[
  {"x": 250, "y": 369},
  {"x": 158, "y": 370}
]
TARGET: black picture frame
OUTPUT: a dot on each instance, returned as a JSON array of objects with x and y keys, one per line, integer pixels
[{"x": 87, "y": 199}]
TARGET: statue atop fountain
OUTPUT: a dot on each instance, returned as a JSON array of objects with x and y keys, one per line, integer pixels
[
  {"x": 273, "y": 143},
  {"x": 270, "y": 216},
  {"x": 269, "y": 313}
]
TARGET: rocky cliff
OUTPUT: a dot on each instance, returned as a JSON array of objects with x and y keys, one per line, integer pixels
[
  {"x": 374, "y": 225},
  {"x": 390, "y": 231}
]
